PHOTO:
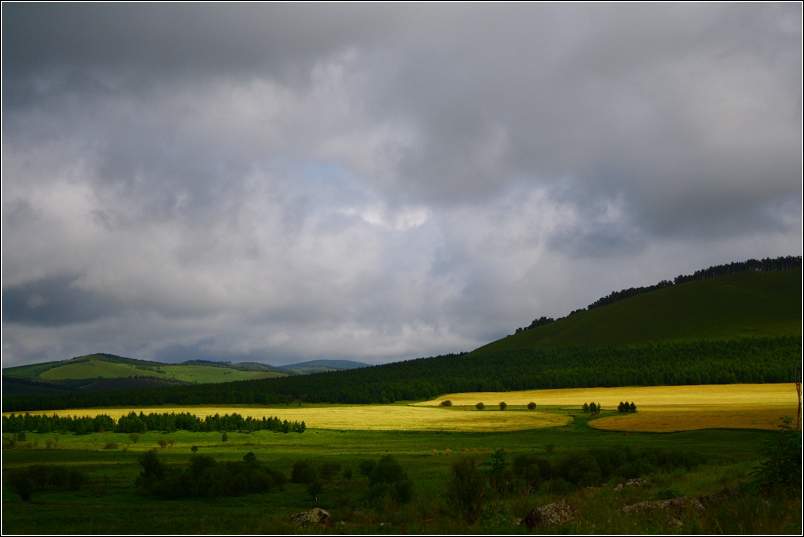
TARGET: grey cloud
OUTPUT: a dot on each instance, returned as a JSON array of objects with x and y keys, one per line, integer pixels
[
  {"x": 384, "y": 181},
  {"x": 55, "y": 301}
]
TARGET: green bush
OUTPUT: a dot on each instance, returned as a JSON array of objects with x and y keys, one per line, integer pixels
[
  {"x": 780, "y": 469},
  {"x": 366, "y": 467},
  {"x": 38, "y": 477},
  {"x": 466, "y": 489},
  {"x": 205, "y": 477},
  {"x": 302, "y": 472},
  {"x": 389, "y": 480},
  {"x": 328, "y": 471}
]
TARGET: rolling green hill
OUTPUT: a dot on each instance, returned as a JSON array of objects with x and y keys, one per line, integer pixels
[
  {"x": 109, "y": 372},
  {"x": 733, "y": 306}
]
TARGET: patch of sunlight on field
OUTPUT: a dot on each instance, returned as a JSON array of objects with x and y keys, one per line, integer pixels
[
  {"x": 361, "y": 417},
  {"x": 661, "y": 408}
]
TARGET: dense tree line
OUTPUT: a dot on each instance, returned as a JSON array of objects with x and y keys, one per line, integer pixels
[
  {"x": 206, "y": 477},
  {"x": 763, "y": 265},
  {"x": 140, "y": 423},
  {"x": 747, "y": 360}
]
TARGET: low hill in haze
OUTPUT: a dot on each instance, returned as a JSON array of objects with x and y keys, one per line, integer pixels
[{"x": 322, "y": 366}]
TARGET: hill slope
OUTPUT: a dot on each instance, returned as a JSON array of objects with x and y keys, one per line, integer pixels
[{"x": 728, "y": 307}]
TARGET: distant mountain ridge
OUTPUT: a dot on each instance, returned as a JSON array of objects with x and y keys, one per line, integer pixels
[
  {"x": 322, "y": 366},
  {"x": 104, "y": 371}
]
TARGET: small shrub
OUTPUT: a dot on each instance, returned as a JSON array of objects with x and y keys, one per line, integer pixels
[
  {"x": 134, "y": 437},
  {"x": 224, "y": 438},
  {"x": 503, "y": 405},
  {"x": 531, "y": 406},
  {"x": 314, "y": 488},
  {"x": 329, "y": 470},
  {"x": 668, "y": 494},
  {"x": 466, "y": 489},
  {"x": 302, "y": 472},
  {"x": 446, "y": 402},
  {"x": 781, "y": 468},
  {"x": 162, "y": 443},
  {"x": 194, "y": 449},
  {"x": 366, "y": 467},
  {"x": 389, "y": 480},
  {"x": 171, "y": 441},
  {"x": 111, "y": 445},
  {"x": 480, "y": 406}
]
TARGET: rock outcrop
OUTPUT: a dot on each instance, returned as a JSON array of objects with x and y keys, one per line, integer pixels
[
  {"x": 551, "y": 514},
  {"x": 313, "y": 517}
]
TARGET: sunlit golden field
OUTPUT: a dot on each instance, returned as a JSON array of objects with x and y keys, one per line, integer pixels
[
  {"x": 661, "y": 408},
  {"x": 363, "y": 417}
]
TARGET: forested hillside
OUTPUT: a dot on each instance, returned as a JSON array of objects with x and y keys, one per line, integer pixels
[
  {"x": 753, "y": 265},
  {"x": 695, "y": 362},
  {"x": 742, "y": 304}
]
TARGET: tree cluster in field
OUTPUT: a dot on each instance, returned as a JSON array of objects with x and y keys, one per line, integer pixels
[
  {"x": 140, "y": 423},
  {"x": 38, "y": 477},
  {"x": 206, "y": 477},
  {"x": 747, "y": 360},
  {"x": 764, "y": 265},
  {"x": 626, "y": 407},
  {"x": 593, "y": 408},
  {"x": 472, "y": 484}
]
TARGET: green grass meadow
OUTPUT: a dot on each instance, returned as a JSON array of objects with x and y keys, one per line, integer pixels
[{"x": 110, "y": 504}]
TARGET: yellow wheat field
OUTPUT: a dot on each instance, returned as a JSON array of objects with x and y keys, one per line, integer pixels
[
  {"x": 661, "y": 408},
  {"x": 361, "y": 417}
]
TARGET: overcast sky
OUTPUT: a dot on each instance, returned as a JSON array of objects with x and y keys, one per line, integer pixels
[{"x": 287, "y": 182}]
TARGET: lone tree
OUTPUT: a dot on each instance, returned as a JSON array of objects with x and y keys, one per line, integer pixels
[
  {"x": 162, "y": 443},
  {"x": 503, "y": 405},
  {"x": 446, "y": 402},
  {"x": 480, "y": 406},
  {"x": 134, "y": 437},
  {"x": 531, "y": 406}
]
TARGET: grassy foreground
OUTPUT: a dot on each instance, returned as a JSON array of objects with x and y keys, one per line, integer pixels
[{"x": 110, "y": 503}]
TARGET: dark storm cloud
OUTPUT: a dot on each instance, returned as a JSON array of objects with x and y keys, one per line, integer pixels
[
  {"x": 54, "y": 301},
  {"x": 295, "y": 181}
]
